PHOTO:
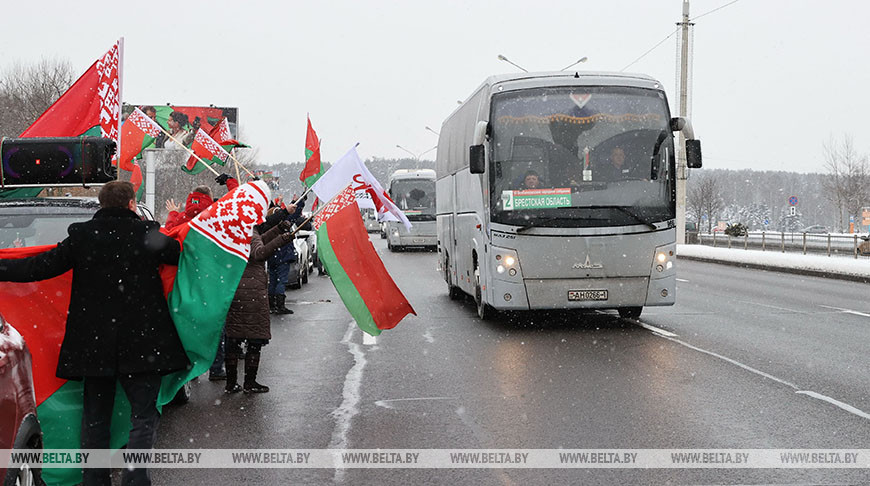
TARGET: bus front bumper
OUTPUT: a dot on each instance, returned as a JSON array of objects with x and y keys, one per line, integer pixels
[{"x": 583, "y": 293}]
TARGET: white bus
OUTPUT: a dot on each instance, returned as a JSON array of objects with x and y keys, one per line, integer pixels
[
  {"x": 414, "y": 192},
  {"x": 557, "y": 191},
  {"x": 370, "y": 218}
]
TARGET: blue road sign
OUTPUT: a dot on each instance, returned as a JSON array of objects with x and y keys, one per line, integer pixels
[{"x": 792, "y": 201}]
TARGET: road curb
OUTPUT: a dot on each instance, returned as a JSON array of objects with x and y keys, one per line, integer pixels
[{"x": 773, "y": 268}]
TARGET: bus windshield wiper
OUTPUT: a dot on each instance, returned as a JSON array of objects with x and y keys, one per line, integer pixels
[{"x": 629, "y": 212}]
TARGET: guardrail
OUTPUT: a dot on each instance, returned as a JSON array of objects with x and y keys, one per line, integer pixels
[{"x": 806, "y": 243}]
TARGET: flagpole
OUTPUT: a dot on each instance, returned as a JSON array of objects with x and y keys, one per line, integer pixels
[
  {"x": 315, "y": 213},
  {"x": 239, "y": 164},
  {"x": 238, "y": 177},
  {"x": 188, "y": 150},
  {"x": 302, "y": 196}
]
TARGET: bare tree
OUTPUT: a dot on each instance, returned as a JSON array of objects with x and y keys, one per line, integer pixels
[
  {"x": 848, "y": 175},
  {"x": 27, "y": 90},
  {"x": 704, "y": 199}
]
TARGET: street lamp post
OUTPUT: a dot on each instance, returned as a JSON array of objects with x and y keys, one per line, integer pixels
[
  {"x": 416, "y": 156},
  {"x": 433, "y": 131},
  {"x": 581, "y": 60},
  {"x": 502, "y": 58}
]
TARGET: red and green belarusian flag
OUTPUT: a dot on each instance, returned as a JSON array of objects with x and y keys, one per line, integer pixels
[
  {"x": 139, "y": 131},
  {"x": 356, "y": 270},
  {"x": 90, "y": 107},
  {"x": 136, "y": 180},
  {"x": 312, "y": 170},
  {"x": 207, "y": 150},
  {"x": 215, "y": 248},
  {"x": 222, "y": 135}
]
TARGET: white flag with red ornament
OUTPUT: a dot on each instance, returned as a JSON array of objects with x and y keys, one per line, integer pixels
[{"x": 349, "y": 169}]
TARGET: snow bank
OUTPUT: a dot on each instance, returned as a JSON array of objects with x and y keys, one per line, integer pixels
[{"x": 819, "y": 264}]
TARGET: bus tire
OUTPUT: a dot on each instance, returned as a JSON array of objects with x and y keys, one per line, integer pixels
[
  {"x": 630, "y": 312},
  {"x": 453, "y": 292},
  {"x": 484, "y": 311}
]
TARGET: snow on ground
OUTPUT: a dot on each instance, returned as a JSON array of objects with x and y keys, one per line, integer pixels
[{"x": 794, "y": 261}]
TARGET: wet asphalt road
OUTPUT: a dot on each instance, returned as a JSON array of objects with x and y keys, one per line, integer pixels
[{"x": 746, "y": 359}]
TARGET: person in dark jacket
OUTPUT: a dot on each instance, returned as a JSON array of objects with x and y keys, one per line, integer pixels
[
  {"x": 248, "y": 318},
  {"x": 118, "y": 325},
  {"x": 281, "y": 262}
]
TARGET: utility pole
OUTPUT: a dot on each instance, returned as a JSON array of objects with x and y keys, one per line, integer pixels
[{"x": 683, "y": 84}]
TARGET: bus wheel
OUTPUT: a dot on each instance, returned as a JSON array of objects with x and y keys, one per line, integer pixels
[
  {"x": 454, "y": 292},
  {"x": 630, "y": 312},
  {"x": 484, "y": 311}
]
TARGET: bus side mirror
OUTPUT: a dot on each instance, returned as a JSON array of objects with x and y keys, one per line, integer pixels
[
  {"x": 693, "y": 154},
  {"x": 476, "y": 159}
]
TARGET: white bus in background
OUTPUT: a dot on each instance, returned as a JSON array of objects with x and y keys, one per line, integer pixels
[
  {"x": 414, "y": 192},
  {"x": 534, "y": 210},
  {"x": 370, "y": 218}
]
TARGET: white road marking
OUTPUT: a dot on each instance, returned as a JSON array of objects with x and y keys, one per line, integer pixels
[
  {"x": 734, "y": 362},
  {"x": 345, "y": 413},
  {"x": 818, "y": 396},
  {"x": 387, "y": 403},
  {"x": 844, "y": 406},
  {"x": 657, "y": 330},
  {"x": 682, "y": 280},
  {"x": 846, "y": 311},
  {"x": 369, "y": 340},
  {"x": 770, "y": 306}
]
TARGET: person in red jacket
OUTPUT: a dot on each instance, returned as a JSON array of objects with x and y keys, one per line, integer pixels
[{"x": 199, "y": 199}]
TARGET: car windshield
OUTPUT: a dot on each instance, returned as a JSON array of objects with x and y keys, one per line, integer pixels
[
  {"x": 581, "y": 156},
  {"x": 26, "y": 226}
]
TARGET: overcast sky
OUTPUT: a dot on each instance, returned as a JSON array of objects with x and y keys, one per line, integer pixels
[{"x": 773, "y": 79}]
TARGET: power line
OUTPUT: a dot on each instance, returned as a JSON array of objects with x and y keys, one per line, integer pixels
[
  {"x": 674, "y": 32},
  {"x": 715, "y": 9},
  {"x": 650, "y": 49}
]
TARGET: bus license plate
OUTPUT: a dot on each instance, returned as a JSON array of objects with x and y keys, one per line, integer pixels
[{"x": 587, "y": 295}]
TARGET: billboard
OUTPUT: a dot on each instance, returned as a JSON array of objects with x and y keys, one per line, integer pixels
[{"x": 190, "y": 117}]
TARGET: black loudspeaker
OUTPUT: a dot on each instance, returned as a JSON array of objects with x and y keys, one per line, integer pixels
[{"x": 56, "y": 161}]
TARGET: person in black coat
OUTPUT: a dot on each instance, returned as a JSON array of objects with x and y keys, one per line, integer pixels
[{"x": 118, "y": 325}]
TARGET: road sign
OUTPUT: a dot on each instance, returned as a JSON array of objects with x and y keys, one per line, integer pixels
[
  {"x": 766, "y": 222},
  {"x": 792, "y": 211},
  {"x": 792, "y": 201}
]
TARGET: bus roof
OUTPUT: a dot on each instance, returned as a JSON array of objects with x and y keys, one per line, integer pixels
[
  {"x": 553, "y": 78},
  {"x": 412, "y": 174}
]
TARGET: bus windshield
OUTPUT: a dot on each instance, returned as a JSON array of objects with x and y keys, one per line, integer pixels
[
  {"x": 581, "y": 156},
  {"x": 415, "y": 197}
]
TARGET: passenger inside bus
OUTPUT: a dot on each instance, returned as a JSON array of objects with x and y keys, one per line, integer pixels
[{"x": 532, "y": 180}]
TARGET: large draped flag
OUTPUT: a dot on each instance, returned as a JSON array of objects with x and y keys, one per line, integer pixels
[
  {"x": 139, "y": 131},
  {"x": 349, "y": 169},
  {"x": 215, "y": 248},
  {"x": 313, "y": 170},
  {"x": 356, "y": 270},
  {"x": 90, "y": 107},
  {"x": 208, "y": 150}
]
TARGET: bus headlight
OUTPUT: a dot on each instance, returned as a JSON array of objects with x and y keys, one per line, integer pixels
[
  {"x": 506, "y": 262},
  {"x": 663, "y": 259}
]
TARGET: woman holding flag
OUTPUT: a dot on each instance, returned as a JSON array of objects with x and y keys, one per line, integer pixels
[{"x": 248, "y": 319}]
